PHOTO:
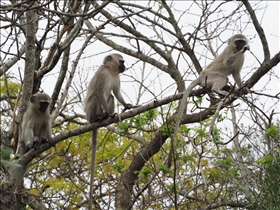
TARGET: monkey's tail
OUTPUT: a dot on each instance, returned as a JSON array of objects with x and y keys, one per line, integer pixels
[
  {"x": 93, "y": 155},
  {"x": 183, "y": 105}
]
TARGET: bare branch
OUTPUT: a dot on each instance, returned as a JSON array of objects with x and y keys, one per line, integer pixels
[{"x": 259, "y": 29}]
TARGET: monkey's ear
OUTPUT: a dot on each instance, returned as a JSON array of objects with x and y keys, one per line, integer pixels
[
  {"x": 32, "y": 99},
  {"x": 109, "y": 58}
]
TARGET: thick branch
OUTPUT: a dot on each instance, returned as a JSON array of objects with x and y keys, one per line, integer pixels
[
  {"x": 6, "y": 66},
  {"x": 265, "y": 67},
  {"x": 129, "y": 177},
  {"x": 61, "y": 77}
]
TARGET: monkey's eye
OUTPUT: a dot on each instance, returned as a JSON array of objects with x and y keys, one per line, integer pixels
[
  {"x": 44, "y": 103},
  {"x": 240, "y": 42}
]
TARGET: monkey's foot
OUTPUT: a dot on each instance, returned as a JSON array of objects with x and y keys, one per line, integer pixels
[
  {"x": 51, "y": 140},
  {"x": 44, "y": 140},
  {"x": 36, "y": 140},
  {"x": 245, "y": 90},
  {"x": 105, "y": 115},
  {"x": 29, "y": 145},
  {"x": 99, "y": 118}
]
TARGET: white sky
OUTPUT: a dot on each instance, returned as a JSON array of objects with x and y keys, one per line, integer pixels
[{"x": 158, "y": 81}]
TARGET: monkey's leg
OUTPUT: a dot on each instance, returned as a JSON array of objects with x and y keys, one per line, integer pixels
[
  {"x": 217, "y": 82},
  {"x": 93, "y": 110}
]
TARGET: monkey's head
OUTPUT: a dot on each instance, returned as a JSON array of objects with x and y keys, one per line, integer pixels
[
  {"x": 239, "y": 41},
  {"x": 115, "y": 61},
  {"x": 41, "y": 101}
]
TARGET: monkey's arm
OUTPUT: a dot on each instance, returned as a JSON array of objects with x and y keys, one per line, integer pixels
[
  {"x": 49, "y": 130},
  {"x": 28, "y": 135},
  {"x": 117, "y": 93},
  {"x": 237, "y": 79},
  {"x": 238, "y": 63},
  {"x": 47, "y": 135}
]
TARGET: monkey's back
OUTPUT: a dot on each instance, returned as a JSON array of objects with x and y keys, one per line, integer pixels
[
  {"x": 225, "y": 64},
  {"x": 101, "y": 85},
  {"x": 102, "y": 82}
]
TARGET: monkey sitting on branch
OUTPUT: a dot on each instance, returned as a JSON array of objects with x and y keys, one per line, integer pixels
[
  {"x": 36, "y": 123},
  {"x": 229, "y": 62},
  {"x": 99, "y": 102}
]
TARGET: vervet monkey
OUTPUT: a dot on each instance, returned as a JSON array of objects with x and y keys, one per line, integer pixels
[
  {"x": 99, "y": 102},
  {"x": 230, "y": 61},
  {"x": 36, "y": 123}
]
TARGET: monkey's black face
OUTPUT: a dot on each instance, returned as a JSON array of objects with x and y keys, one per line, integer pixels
[
  {"x": 121, "y": 66},
  {"x": 240, "y": 43},
  {"x": 43, "y": 106}
]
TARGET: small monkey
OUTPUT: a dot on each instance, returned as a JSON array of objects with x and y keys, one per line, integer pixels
[
  {"x": 36, "y": 123},
  {"x": 99, "y": 102},
  {"x": 230, "y": 61}
]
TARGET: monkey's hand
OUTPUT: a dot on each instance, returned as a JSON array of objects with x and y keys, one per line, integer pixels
[
  {"x": 127, "y": 106},
  {"x": 47, "y": 140},
  {"x": 246, "y": 47}
]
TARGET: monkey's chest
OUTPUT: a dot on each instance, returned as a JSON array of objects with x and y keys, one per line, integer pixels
[
  {"x": 110, "y": 87},
  {"x": 38, "y": 127}
]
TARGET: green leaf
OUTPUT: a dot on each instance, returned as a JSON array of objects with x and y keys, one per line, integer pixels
[
  {"x": 163, "y": 168},
  {"x": 5, "y": 154},
  {"x": 9, "y": 163},
  {"x": 145, "y": 172},
  {"x": 266, "y": 160},
  {"x": 172, "y": 187},
  {"x": 273, "y": 131}
]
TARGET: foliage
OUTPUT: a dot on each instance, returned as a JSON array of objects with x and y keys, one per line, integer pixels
[
  {"x": 273, "y": 131},
  {"x": 269, "y": 184}
]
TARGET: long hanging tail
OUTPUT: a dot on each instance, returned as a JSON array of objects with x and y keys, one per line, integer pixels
[
  {"x": 183, "y": 105},
  {"x": 93, "y": 155}
]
